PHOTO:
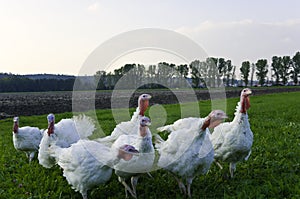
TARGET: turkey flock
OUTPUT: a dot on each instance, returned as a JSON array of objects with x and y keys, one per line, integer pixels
[{"x": 129, "y": 152}]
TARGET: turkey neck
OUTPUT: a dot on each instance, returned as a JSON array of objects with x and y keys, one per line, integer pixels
[
  {"x": 143, "y": 105},
  {"x": 16, "y": 127},
  {"x": 143, "y": 131},
  {"x": 245, "y": 104},
  {"x": 241, "y": 111},
  {"x": 206, "y": 123},
  {"x": 50, "y": 128},
  {"x": 146, "y": 142}
]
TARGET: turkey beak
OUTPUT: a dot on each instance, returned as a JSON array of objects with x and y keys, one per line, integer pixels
[
  {"x": 249, "y": 92},
  {"x": 149, "y": 97},
  {"x": 218, "y": 119},
  {"x": 148, "y": 123},
  {"x": 224, "y": 116},
  {"x": 127, "y": 152},
  {"x": 133, "y": 152}
]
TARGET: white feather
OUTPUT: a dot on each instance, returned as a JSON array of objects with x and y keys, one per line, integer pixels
[
  {"x": 232, "y": 141},
  {"x": 124, "y": 128},
  {"x": 27, "y": 139},
  {"x": 187, "y": 152},
  {"x": 84, "y": 164},
  {"x": 186, "y": 143},
  {"x": 84, "y": 125},
  {"x": 66, "y": 132},
  {"x": 141, "y": 163}
]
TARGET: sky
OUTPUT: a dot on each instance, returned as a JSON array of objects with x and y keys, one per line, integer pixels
[{"x": 57, "y": 36}]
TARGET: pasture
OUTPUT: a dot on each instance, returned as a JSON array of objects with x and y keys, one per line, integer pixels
[{"x": 272, "y": 170}]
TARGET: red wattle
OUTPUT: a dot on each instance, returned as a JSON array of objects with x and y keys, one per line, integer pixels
[
  {"x": 205, "y": 124},
  {"x": 50, "y": 129},
  {"x": 245, "y": 104},
  {"x": 16, "y": 128}
]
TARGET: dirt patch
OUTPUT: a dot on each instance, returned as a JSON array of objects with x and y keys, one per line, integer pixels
[{"x": 58, "y": 102}]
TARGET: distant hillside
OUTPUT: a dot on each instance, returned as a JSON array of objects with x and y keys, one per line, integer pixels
[
  {"x": 36, "y": 83},
  {"x": 49, "y": 76},
  {"x": 39, "y": 76}
]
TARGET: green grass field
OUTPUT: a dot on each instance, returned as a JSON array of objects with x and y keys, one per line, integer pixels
[{"x": 272, "y": 170}]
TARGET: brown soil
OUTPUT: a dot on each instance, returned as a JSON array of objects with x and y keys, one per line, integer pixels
[{"x": 58, "y": 102}]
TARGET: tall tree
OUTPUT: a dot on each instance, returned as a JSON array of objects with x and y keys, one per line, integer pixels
[
  {"x": 262, "y": 70},
  {"x": 152, "y": 72},
  {"x": 276, "y": 67},
  {"x": 111, "y": 80},
  {"x": 212, "y": 71},
  {"x": 245, "y": 70},
  {"x": 228, "y": 71},
  {"x": 233, "y": 75},
  {"x": 127, "y": 68},
  {"x": 100, "y": 80},
  {"x": 222, "y": 70},
  {"x": 172, "y": 75},
  {"x": 199, "y": 73},
  {"x": 252, "y": 73},
  {"x": 286, "y": 65},
  {"x": 195, "y": 73},
  {"x": 141, "y": 75},
  {"x": 295, "y": 68},
  {"x": 183, "y": 72},
  {"x": 129, "y": 74},
  {"x": 165, "y": 72}
]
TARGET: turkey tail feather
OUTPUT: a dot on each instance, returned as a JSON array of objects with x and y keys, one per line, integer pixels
[{"x": 84, "y": 125}]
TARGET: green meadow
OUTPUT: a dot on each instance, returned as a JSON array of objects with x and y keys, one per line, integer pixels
[{"x": 272, "y": 171}]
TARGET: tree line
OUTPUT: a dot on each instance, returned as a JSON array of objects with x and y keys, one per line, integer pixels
[
  {"x": 212, "y": 72},
  {"x": 283, "y": 69}
]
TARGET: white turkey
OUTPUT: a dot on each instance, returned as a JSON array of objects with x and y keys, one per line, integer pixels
[
  {"x": 232, "y": 141},
  {"x": 128, "y": 127},
  {"x": 188, "y": 151},
  {"x": 26, "y": 138},
  {"x": 63, "y": 134},
  {"x": 142, "y": 163},
  {"x": 87, "y": 164}
]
